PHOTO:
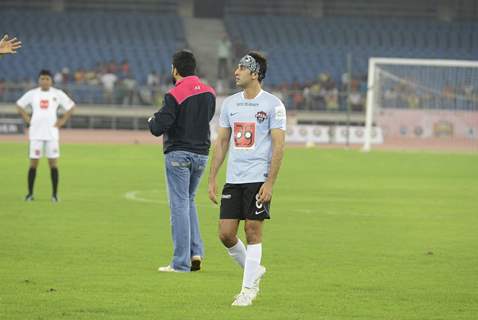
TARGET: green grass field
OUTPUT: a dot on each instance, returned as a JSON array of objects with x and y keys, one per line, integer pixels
[{"x": 353, "y": 236}]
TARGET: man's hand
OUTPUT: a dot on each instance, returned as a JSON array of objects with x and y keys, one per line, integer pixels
[
  {"x": 265, "y": 192},
  {"x": 9, "y": 46},
  {"x": 212, "y": 190},
  {"x": 59, "y": 123}
]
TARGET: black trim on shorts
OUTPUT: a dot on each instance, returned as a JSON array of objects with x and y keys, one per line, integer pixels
[{"x": 239, "y": 201}]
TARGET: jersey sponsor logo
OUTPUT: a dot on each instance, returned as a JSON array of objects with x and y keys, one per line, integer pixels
[
  {"x": 244, "y": 135},
  {"x": 44, "y": 103},
  {"x": 280, "y": 113},
  {"x": 261, "y": 116},
  {"x": 247, "y": 104}
]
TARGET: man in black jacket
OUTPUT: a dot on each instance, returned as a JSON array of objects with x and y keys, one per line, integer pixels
[{"x": 184, "y": 123}]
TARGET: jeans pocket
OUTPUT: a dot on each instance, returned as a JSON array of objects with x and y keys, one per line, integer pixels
[
  {"x": 179, "y": 164},
  {"x": 177, "y": 161},
  {"x": 202, "y": 162}
]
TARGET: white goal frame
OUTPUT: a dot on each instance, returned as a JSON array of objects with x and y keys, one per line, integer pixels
[{"x": 371, "y": 96}]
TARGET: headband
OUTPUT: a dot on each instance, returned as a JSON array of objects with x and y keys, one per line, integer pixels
[{"x": 250, "y": 63}]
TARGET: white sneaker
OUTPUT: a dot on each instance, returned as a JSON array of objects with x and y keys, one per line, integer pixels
[
  {"x": 260, "y": 274},
  {"x": 244, "y": 298},
  {"x": 168, "y": 268}
]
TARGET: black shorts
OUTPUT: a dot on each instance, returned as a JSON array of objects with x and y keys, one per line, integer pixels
[{"x": 239, "y": 201}]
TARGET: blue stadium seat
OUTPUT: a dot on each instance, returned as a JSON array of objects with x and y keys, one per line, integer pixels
[
  {"x": 82, "y": 39},
  {"x": 304, "y": 47}
]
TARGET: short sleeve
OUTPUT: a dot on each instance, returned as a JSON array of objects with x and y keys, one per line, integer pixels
[
  {"x": 278, "y": 118},
  {"x": 65, "y": 101},
  {"x": 25, "y": 100},
  {"x": 223, "y": 118}
]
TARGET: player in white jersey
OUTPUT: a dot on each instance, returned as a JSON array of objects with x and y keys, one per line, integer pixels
[
  {"x": 44, "y": 127},
  {"x": 252, "y": 128}
]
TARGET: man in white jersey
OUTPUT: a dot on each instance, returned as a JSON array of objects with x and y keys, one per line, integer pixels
[
  {"x": 252, "y": 128},
  {"x": 44, "y": 127}
]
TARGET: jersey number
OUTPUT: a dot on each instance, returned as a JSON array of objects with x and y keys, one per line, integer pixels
[{"x": 244, "y": 134}]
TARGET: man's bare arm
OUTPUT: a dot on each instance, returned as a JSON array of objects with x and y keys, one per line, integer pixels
[
  {"x": 278, "y": 144},
  {"x": 25, "y": 116},
  {"x": 220, "y": 149},
  {"x": 61, "y": 122}
]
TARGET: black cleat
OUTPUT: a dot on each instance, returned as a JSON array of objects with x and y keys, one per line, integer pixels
[
  {"x": 54, "y": 198},
  {"x": 29, "y": 197},
  {"x": 196, "y": 264}
]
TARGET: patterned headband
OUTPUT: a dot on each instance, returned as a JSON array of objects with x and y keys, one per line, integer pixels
[{"x": 250, "y": 63}]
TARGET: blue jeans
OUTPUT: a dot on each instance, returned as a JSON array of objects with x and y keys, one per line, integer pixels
[{"x": 183, "y": 172}]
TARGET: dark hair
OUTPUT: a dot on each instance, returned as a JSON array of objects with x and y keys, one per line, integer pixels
[
  {"x": 262, "y": 61},
  {"x": 185, "y": 63},
  {"x": 45, "y": 73}
]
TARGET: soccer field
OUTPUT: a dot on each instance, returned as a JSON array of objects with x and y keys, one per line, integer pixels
[{"x": 353, "y": 236}]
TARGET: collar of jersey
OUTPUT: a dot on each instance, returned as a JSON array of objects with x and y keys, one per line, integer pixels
[
  {"x": 188, "y": 78},
  {"x": 258, "y": 95}
]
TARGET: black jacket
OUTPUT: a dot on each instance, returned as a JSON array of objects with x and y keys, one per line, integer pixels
[{"x": 184, "y": 118}]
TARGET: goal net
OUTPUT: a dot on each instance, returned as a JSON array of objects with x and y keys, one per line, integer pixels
[{"x": 421, "y": 103}]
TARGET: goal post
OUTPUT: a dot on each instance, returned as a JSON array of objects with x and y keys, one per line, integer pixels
[{"x": 443, "y": 94}]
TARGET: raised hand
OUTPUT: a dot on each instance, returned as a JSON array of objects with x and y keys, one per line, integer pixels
[{"x": 9, "y": 45}]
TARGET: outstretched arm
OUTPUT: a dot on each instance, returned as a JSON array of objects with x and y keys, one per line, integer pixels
[
  {"x": 278, "y": 143},
  {"x": 9, "y": 45},
  {"x": 219, "y": 154}
]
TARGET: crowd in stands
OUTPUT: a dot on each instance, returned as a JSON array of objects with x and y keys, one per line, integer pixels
[
  {"x": 324, "y": 94},
  {"x": 115, "y": 84},
  {"x": 113, "y": 80}
]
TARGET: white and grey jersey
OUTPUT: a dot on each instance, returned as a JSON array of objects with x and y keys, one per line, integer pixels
[{"x": 251, "y": 121}]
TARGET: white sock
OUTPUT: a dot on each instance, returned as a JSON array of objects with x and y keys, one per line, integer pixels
[
  {"x": 253, "y": 261},
  {"x": 238, "y": 252}
]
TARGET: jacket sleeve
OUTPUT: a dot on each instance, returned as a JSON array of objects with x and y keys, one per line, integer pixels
[{"x": 162, "y": 120}]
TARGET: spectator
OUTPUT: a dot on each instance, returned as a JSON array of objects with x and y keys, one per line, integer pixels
[
  {"x": 65, "y": 75},
  {"x": 108, "y": 81},
  {"x": 58, "y": 78},
  {"x": 390, "y": 97},
  {"x": 223, "y": 55},
  {"x": 2, "y": 87},
  {"x": 125, "y": 69},
  {"x": 112, "y": 67},
  {"x": 355, "y": 98},
  {"x": 91, "y": 77},
  {"x": 152, "y": 79},
  {"x": 79, "y": 76},
  {"x": 317, "y": 96},
  {"x": 130, "y": 86}
]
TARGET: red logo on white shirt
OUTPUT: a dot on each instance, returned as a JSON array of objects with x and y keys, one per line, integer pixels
[
  {"x": 44, "y": 104},
  {"x": 244, "y": 134}
]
